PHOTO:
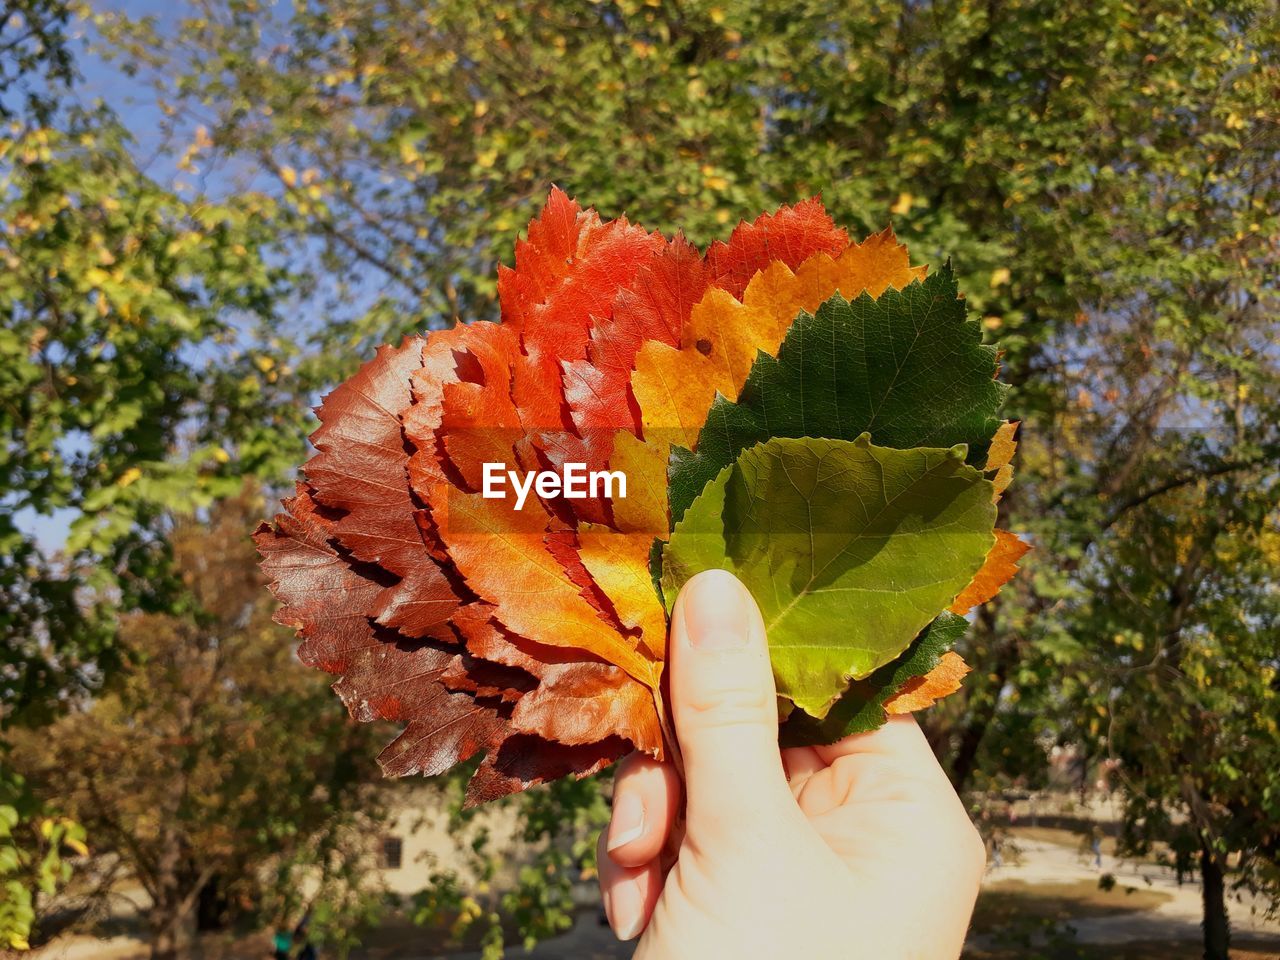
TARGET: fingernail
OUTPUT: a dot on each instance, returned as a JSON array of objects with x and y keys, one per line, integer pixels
[
  {"x": 627, "y": 822},
  {"x": 625, "y": 908},
  {"x": 716, "y": 612}
]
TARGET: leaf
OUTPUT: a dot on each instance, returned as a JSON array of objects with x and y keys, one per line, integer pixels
[
  {"x": 328, "y": 600},
  {"x": 581, "y": 703},
  {"x": 618, "y": 563},
  {"x": 525, "y": 760},
  {"x": 997, "y": 569},
  {"x": 827, "y": 532},
  {"x": 861, "y": 709},
  {"x": 360, "y": 470},
  {"x": 504, "y": 557},
  {"x": 908, "y": 368},
  {"x": 674, "y": 385},
  {"x": 790, "y": 236},
  {"x": 1000, "y": 456},
  {"x": 942, "y": 681},
  {"x": 656, "y": 308}
]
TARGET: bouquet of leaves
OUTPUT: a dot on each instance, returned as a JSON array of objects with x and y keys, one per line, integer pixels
[{"x": 816, "y": 415}]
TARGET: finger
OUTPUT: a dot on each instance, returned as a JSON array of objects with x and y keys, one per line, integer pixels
[
  {"x": 900, "y": 738},
  {"x": 724, "y": 702},
  {"x": 646, "y": 796},
  {"x": 800, "y": 763},
  {"x": 629, "y": 893}
]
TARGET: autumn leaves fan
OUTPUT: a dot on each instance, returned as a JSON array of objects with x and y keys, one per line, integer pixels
[{"x": 817, "y": 416}]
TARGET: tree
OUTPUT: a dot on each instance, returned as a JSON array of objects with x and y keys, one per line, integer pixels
[
  {"x": 221, "y": 778},
  {"x": 1182, "y": 618},
  {"x": 34, "y": 57}
]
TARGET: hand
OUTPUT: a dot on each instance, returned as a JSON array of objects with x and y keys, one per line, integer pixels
[{"x": 858, "y": 849}]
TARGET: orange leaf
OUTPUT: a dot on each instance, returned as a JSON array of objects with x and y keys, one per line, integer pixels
[
  {"x": 619, "y": 565},
  {"x": 999, "y": 567},
  {"x": 587, "y": 702},
  {"x": 942, "y": 681},
  {"x": 503, "y": 555}
]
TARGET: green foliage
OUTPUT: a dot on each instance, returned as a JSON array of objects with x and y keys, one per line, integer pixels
[
  {"x": 559, "y": 823},
  {"x": 140, "y": 377},
  {"x": 1192, "y": 642},
  {"x": 815, "y": 528},
  {"x": 34, "y": 855},
  {"x": 906, "y": 367}
]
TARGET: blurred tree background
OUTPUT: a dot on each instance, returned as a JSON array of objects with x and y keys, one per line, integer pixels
[{"x": 293, "y": 185}]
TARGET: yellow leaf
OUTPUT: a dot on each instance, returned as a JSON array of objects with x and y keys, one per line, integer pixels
[
  {"x": 644, "y": 463},
  {"x": 289, "y": 176},
  {"x": 619, "y": 565},
  {"x": 1000, "y": 277},
  {"x": 1000, "y": 456},
  {"x": 128, "y": 477},
  {"x": 903, "y": 204}
]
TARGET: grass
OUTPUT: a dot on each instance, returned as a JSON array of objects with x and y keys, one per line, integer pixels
[
  {"x": 1035, "y": 910},
  {"x": 1005, "y": 901}
]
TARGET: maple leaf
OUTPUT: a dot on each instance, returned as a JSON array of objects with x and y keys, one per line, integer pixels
[{"x": 534, "y": 635}]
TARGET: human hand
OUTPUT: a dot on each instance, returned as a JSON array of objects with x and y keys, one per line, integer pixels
[{"x": 858, "y": 849}]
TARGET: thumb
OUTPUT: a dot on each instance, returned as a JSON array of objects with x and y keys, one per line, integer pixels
[{"x": 724, "y": 702}]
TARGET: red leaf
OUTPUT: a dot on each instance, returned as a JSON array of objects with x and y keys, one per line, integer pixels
[
  {"x": 790, "y": 235},
  {"x": 361, "y": 469},
  {"x": 524, "y": 761},
  {"x": 656, "y": 308},
  {"x": 328, "y": 599}
]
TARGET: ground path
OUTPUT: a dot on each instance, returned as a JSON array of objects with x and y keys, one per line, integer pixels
[{"x": 1035, "y": 863}]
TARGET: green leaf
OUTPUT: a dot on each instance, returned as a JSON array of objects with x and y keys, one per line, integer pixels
[
  {"x": 908, "y": 368},
  {"x": 861, "y": 708},
  {"x": 849, "y": 549}
]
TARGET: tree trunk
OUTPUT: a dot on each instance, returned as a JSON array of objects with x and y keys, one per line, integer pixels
[
  {"x": 164, "y": 943},
  {"x": 982, "y": 713},
  {"x": 1217, "y": 929}
]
